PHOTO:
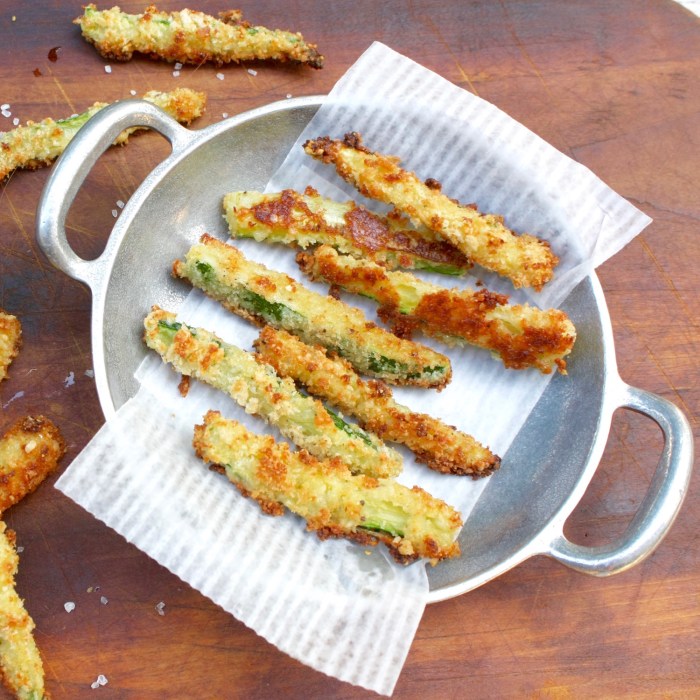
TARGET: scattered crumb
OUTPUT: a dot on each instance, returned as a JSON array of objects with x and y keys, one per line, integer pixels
[
  {"x": 31, "y": 445},
  {"x": 69, "y": 606},
  {"x": 160, "y": 607},
  {"x": 103, "y": 600},
  {"x": 70, "y": 379},
  {"x": 37, "y": 73},
  {"x": 108, "y": 69},
  {"x": 252, "y": 72},
  {"x": 220, "y": 76},
  {"x": 90, "y": 589}
]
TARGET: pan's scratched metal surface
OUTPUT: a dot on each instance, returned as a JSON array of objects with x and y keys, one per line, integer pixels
[{"x": 522, "y": 512}]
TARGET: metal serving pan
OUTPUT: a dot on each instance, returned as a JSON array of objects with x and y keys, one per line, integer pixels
[{"x": 562, "y": 441}]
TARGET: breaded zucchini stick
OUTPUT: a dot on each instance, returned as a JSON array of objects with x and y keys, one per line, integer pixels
[
  {"x": 195, "y": 352},
  {"x": 334, "y": 503},
  {"x": 527, "y": 261},
  {"x": 264, "y": 296},
  {"x": 22, "y": 668},
  {"x": 521, "y": 335},
  {"x": 29, "y": 452},
  {"x": 10, "y": 341},
  {"x": 191, "y": 37},
  {"x": 37, "y": 144},
  {"x": 440, "y": 446},
  {"x": 308, "y": 219}
]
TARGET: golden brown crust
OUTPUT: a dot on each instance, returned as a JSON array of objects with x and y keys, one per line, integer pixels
[
  {"x": 524, "y": 259},
  {"x": 188, "y": 36},
  {"x": 441, "y": 447},
  {"x": 10, "y": 341},
  {"x": 29, "y": 452}
]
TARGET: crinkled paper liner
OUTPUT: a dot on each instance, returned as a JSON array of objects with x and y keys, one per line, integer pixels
[{"x": 342, "y": 609}]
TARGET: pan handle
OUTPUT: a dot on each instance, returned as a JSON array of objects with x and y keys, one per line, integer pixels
[
  {"x": 661, "y": 504},
  {"x": 71, "y": 169}
]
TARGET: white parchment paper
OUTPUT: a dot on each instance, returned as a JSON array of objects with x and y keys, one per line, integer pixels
[{"x": 346, "y": 611}]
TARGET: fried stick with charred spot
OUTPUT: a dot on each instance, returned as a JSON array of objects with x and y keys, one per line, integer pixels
[
  {"x": 521, "y": 335},
  {"x": 526, "y": 260},
  {"x": 188, "y": 36},
  {"x": 334, "y": 502},
  {"x": 440, "y": 446},
  {"x": 37, "y": 144},
  {"x": 10, "y": 341},
  {"x": 309, "y": 219},
  {"x": 266, "y": 296},
  {"x": 29, "y": 452},
  {"x": 22, "y": 667}
]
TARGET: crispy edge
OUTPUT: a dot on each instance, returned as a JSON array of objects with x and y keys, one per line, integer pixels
[
  {"x": 21, "y": 665},
  {"x": 441, "y": 447},
  {"x": 525, "y": 259},
  {"x": 10, "y": 341},
  {"x": 29, "y": 451},
  {"x": 190, "y": 42}
]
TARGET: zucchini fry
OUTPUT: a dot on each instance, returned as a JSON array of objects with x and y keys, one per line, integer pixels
[
  {"x": 334, "y": 503},
  {"x": 22, "y": 669},
  {"x": 191, "y": 37},
  {"x": 37, "y": 144},
  {"x": 29, "y": 452},
  {"x": 264, "y": 296},
  {"x": 260, "y": 391},
  {"x": 521, "y": 335},
  {"x": 308, "y": 219},
  {"x": 440, "y": 446},
  {"x": 527, "y": 261},
  {"x": 10, "y": 341}
]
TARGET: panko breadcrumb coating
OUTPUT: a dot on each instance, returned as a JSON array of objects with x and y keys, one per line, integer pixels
[
  {"x": 22, "y": 668},
  {"x": 29, "y": 452},
  {"x": 441, "y": 447},
  {"x": 334, "y": 502},
  {"x": 188, "y": 36},
  {"x": 37, "y": 144},
  {"x": 526, "y": 260},
  {"x": 10, "y": 341}
]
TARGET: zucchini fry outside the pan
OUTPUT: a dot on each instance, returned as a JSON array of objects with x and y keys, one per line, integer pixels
[
  {"x": 334, "y": 502},
  {"x": 198, "y": 353},
  {"x": 520, "y": 335},
  {"x": 264, "y": 296},
  {"x": 526, "y": 260},
  {"x": 441, "y": 447},
  {"x": 37, "y": 144}
]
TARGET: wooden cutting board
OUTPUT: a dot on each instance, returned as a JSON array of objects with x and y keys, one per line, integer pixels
[{"x": 614, "y": 86}]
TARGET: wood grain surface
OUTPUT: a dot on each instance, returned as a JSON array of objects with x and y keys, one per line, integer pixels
[{"x": 614, "y": 86}]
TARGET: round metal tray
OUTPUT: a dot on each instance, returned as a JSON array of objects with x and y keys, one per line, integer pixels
[{"x": 522, "y": 511}]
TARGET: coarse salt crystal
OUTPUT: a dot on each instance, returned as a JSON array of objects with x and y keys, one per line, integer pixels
[
  {"x": 15, "y": 121},
  {"x": 108, "y": 69},
  {"x": 252, "y": 72},
  {"x": 101, "y": 680},
  {"x": 178, "y": 65},
  {"x": 115, "y": 213},
  {"x": 5, "y": 113},
  {"x": 133, "y": 92},
  {"x": 69, "y": 606},
  {"x": 89, "y": 373},
  {"x": 220, "y": 76},
  {"x": 225, "y": 115},
  {"x": 103, "y": 600},
  {"x": 70, "y": 379},
  {"x": 160, "y": 607},
  {"x": 176, "y": 74},
  {"x": 120, "y": 204},
  {"x": 5, "y": 106},
  {"x": 20, "y": 550},
  {"x": 289, "y": 95}
]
